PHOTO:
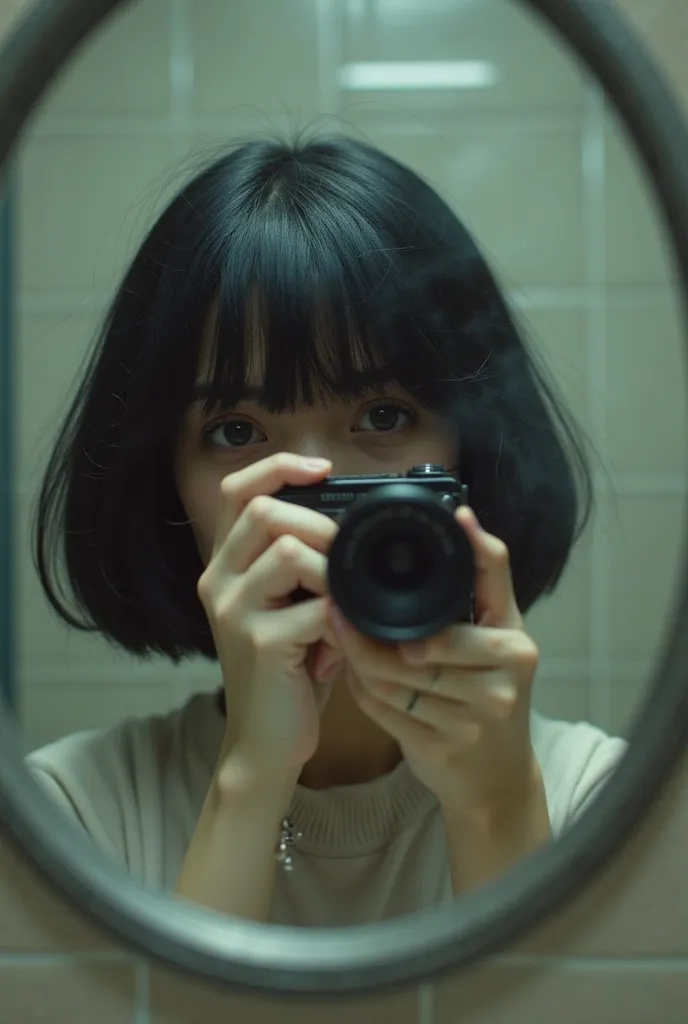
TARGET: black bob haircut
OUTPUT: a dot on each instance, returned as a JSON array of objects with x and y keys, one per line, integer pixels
[{"x": 363, "y": 274}]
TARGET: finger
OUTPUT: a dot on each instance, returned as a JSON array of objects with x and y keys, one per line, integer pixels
[
  {"x": 468, "y": 646},
  {"x": 262, "y": 521},
  {"x": 294, "y": 625},
  {"x": 286, "y": 565},
  {"x": 436, "y": 717},
  {"x": 264, "y": 477},
  {"x": 485, "y": 695},
  {"x": 494, "y": 600},
  {"x": 407, "y": 731},
  {"x": 462, "y": 646}
]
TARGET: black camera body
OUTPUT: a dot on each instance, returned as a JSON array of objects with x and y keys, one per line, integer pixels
[{"x": 400, "y": 568}]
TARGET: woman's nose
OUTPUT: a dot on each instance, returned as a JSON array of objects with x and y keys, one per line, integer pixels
[{"x": 314, "y": 448}]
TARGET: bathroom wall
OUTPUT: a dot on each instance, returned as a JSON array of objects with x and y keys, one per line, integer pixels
[{"x": 537, "y": 167}]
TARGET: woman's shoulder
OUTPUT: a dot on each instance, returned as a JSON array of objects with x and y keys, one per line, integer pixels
[
  {"x": 551, "y": 736},
  {"x": 145, "y": 732},
  {"x": 98, "y": 764},
  {"x": 576, "y": 760},
  {"x": 112, "y": 781}
]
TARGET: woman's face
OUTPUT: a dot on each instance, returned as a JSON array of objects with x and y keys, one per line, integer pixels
[{"x": 387, "y": 432}]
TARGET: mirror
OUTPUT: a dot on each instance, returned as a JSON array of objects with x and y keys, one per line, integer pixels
[{"x": 473, "y": 262}]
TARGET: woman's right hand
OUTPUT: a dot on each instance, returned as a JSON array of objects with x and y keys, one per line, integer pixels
[{"x": 263, "y": 550}]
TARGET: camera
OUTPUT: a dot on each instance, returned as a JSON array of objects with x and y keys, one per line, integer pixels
[{"x": 401, "y": 567}]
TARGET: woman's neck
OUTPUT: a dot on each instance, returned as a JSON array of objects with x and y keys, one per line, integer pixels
[{"x": 352, "y": 748}]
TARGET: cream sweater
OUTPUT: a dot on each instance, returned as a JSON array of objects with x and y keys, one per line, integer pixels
[{"x": 369, "y": 852}]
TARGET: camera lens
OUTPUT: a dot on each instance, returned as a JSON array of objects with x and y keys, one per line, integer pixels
[
  {"x": 401, "y": 567},
  {"x": 400, "y": 561}
]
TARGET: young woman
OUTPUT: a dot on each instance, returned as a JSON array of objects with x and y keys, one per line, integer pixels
[{"x": 298, "y": 311}]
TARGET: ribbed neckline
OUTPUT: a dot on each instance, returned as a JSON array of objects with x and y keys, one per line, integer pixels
[{"x": 343, "y": 821}]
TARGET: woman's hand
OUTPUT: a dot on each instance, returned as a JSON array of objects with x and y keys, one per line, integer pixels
[
  {"x": 264, "y": 549},
  {"x": 458, "y": 703}
]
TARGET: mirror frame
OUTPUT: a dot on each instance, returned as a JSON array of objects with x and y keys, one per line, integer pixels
[{"x": 275, "y": 959}]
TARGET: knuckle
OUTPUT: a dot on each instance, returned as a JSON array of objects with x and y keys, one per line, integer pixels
[
  {"x": 229, "y": 487},
  {"x": 288, "y": 548},
  {"x": 259, "y": 509},
  {"x": 284, "y": 460},
  {"x": 471, "y": 734},
  {"x": 526, "y": 652},
  {"x": 202, "y": 586},
  {"x": 506, "y": 702},
  {"x": 226, "y": 606},
  {"x": 262, "y": 639},
  {"x": 205, "y": 586},
  {"x": 501, "y": 553}
]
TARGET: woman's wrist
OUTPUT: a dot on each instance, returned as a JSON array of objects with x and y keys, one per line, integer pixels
[
  {"x": 483, "y": 845},
  {"x": 265, "y": 788}
]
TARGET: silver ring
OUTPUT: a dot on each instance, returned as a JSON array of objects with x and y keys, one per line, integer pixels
[{"x": 417, "y": 694}]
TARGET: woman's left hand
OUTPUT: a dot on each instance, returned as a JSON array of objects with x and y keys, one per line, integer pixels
[{"x": 467, "y": 736}]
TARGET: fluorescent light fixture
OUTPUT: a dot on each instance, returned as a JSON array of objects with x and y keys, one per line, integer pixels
[{"x": 464, "y": 74}]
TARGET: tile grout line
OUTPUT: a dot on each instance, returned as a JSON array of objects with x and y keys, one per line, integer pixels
[
  {"x": 426, "y": 1002},
  {"x": 142, "y": 1007},
  {"x": 63, "y": 959},
  {"x": 594, "y": 179},
  {"x": 563, "y": 962},
  {"x": 330, "y": 45},
  {"x": 182, "y": 67},
  {"x": 601, "y": 963}
]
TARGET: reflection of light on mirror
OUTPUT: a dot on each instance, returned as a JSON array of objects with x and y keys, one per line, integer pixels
[
  {"x": 392, "y": 9},
  {"x": 431, "y": 74}
]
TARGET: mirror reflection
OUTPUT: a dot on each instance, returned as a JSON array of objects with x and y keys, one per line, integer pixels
[{"x": 410, "y": 241}]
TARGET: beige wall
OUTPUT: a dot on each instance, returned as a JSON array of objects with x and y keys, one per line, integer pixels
[
  {"x": 534, "y": 164},
  {"x": 537, "y": 168}
]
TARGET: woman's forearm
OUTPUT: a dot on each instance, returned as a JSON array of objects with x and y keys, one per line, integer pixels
[
  {"x": 230, "y": 863},
  {"x": 483, "y": 847}
]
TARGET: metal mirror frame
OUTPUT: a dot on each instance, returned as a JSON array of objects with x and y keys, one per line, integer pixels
[{"x": 275, "y": 959}]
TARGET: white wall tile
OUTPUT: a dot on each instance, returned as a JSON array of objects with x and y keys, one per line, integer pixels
[
  {"x": 534, "y": 72},
  {"x": 647, "y": 387},
  {"x": 559, "y": 338},
  {"x": 122, "y": 69},
  {"x": 263, "y": 54},
  {"x": 84, "y": 203},
  {"x": 637, "y": 249},
  {"x": 645, "y": 537},
  {"x": 50, "y": 350},
  {"x": 519, "y": 190},
  {"x": 559, "y": 623},
  {"x": 48, "y": 711},
  {"x": 562, "y": 700}
]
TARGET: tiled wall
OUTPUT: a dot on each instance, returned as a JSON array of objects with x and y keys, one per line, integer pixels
[
  {"x": 539, "y": 171},
  {"x": 534, "y": 164}
]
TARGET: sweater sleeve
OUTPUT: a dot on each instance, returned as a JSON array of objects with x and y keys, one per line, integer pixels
[
  {"x": 576, "y": 760},
  {"x": 76, "y": 774}
]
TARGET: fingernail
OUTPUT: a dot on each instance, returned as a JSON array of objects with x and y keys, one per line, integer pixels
[{"x": 315, "y": 463}]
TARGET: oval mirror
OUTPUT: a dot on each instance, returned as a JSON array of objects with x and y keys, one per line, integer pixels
[{"x": 395, "y": 236}]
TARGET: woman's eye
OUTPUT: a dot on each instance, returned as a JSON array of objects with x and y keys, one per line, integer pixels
[
  {"x": 237, "y": 434},
  {"x": 385, "y": 417}
]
